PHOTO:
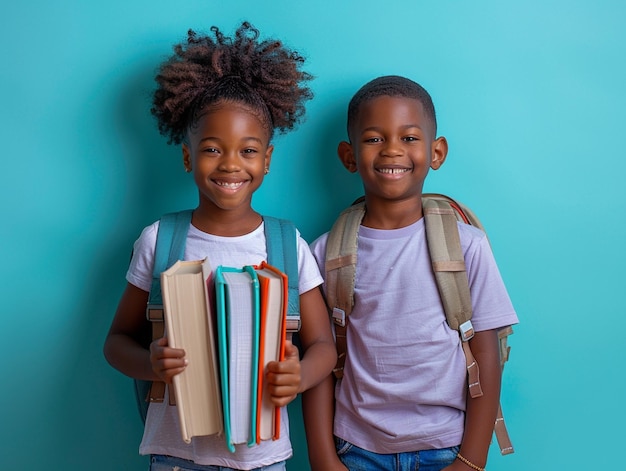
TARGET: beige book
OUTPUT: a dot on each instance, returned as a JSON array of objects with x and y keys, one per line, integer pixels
[{"x": 189, "y": 325}]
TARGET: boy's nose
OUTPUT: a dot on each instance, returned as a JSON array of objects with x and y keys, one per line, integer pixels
[{"x": 391, "y": 148}]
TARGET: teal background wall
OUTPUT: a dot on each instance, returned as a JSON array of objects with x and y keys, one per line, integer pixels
[{"x": 529, "y": 94}]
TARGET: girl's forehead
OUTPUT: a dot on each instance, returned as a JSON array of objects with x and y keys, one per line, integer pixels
[{"x": 244, "y": 115}]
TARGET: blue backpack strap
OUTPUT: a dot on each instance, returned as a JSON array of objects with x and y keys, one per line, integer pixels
[
  {"x": 170, "y": 247},
  {"x": 282, "y": 253}
]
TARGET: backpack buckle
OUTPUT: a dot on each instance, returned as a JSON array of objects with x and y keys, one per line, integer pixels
[
  {"x": 339, "y": 316},
  {"x": 466, "y": 329}
]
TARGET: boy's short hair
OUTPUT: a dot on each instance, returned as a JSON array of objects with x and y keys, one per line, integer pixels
[{"x": 394, "y": 86}]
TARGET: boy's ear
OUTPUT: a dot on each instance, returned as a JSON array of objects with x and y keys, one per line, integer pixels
[
  {"x": 346, "y": 155},
  {"x": 439, "y": 152},
  {"x": 186, "y": 158}
]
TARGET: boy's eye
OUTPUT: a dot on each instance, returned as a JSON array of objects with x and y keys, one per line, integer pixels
[
  {"x": 372, "y": 140},
  {"x": 411, "y": 138}
]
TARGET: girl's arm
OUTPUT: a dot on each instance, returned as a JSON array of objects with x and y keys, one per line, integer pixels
[
  {"x": 292, "y": 376},
  {"x": 481, "y": 412},
  {"x": 126, "y": 345},
  {"x": 318, "y": 409}
]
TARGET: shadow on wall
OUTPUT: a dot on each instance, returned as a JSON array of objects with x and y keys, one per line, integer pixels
[{"x": 153, "y": 181}]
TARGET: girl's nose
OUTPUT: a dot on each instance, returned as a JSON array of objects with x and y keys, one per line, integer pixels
[{"x": 230, "y": 162}]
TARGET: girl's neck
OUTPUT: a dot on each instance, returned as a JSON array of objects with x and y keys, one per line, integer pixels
[{"x": 226, "y": 223}]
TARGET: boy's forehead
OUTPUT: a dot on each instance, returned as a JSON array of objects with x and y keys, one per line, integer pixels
[{"x": 380, "y": 106}]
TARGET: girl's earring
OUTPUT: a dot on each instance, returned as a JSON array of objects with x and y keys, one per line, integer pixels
[
  {"x": 267, "y": 170},
  {"x": 187, "y": 169}
]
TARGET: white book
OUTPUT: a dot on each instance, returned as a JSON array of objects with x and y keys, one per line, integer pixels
[{"x": 238, "y": 326}]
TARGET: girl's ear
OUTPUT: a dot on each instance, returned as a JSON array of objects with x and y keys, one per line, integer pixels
[
  {"x": 268, "y": 158},
  {"x": 439, "y": 152},
  {"x": 346, "y": 155},
  {"x": 186, "y": 158}
]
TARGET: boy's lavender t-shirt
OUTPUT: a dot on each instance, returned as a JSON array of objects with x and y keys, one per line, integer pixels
[{"x": 404, "y": 383}]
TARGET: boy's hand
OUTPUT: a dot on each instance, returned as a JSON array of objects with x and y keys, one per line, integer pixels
[
  {"x": 166, "y": 362},
  {"x": 283, "y": 378}
]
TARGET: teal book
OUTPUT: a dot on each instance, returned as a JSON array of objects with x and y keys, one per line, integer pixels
[{"x": 237, "y": 301}]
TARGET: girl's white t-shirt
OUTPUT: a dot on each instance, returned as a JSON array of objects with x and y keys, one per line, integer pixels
[
  {"x": 404, "y": 383},
  {"x": 162, "y": 433}
]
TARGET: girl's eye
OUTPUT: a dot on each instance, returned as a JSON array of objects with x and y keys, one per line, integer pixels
[
  {"x": 249, "y": 152},
  {"x": 210, "y": 150}
]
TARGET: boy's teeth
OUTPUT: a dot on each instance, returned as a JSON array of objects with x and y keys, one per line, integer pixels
[{"x": 392, "y": 170}]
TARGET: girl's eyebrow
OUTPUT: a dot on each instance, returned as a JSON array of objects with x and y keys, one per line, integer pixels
[{"x": 247, "y": 138}]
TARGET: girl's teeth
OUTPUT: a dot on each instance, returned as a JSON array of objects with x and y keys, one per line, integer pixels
[{"x": 229, "y": 185}]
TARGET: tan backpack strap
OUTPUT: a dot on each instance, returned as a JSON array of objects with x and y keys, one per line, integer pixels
[
  {"x": 446, "y": 255},
  {"x": 340, "y": 267},
  {"x": 441, "y": 214},
  {"x": 502, "y": 435}
]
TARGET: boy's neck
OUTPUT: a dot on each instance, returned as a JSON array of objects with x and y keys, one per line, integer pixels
[{"x": 381, "y": 214}]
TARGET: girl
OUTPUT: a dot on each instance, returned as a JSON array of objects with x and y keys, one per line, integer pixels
[{"x": 222, "y": 98}]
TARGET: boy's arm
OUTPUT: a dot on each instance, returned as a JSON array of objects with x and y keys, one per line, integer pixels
[
  {"x": 481, "y": 412},
  {"x": 292, "y": 376},
  {"x": 318, "y": 409}
]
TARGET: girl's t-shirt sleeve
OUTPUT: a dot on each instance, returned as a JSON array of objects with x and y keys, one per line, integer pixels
[{"x": 139, "y": 271}]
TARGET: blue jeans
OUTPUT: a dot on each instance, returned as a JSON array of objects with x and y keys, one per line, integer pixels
[
  {"x": 171, "y": 463},
  {"x": 358, "y": 459}
]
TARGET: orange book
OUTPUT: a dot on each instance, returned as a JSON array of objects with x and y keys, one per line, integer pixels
[{"x": 273, "y": 312}]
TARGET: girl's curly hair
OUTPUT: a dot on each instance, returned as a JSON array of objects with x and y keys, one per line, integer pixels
[{"x": 206, "y": 69}]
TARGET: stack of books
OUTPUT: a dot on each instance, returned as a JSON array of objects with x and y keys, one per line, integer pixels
[{"x": 229, "y": 335}]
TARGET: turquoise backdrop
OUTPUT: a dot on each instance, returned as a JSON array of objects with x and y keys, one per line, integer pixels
[{"x": 529, "y": 94}]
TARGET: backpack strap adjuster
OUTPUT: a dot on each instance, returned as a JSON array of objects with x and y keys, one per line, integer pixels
[
  {"x": 466, "y": 330},
  {"x": 339, "y": 317},
  {"x": 293, "y": 324},
  {"x": 154, "y": 312}
]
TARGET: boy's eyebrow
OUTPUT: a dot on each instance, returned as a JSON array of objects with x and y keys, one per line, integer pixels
[{"x": 404, "y": 127}]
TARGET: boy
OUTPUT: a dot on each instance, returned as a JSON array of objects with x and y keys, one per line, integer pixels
[{"x": 401, "y": 403}]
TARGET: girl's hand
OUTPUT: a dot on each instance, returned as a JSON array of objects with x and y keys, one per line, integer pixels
[
  {"x": 283, "y": 378},
  {"x": 166, "y": 362}
]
